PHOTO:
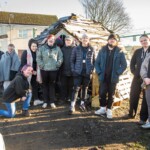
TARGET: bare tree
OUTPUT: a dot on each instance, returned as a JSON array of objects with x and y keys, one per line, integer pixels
[{"x": 111, "y": 13}]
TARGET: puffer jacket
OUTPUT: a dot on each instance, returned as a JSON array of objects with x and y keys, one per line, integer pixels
[
  {"x": 49, "y": 59},
  {"x": 77, "y": 60}
]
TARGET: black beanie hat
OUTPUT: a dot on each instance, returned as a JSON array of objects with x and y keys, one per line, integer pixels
[{"x": 113, "y": 36}]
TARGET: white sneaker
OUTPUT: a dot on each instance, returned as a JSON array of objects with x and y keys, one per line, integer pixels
[
  {"x": 101, "y": 111},
  {"x": 37, "y": 102},
  {"x": 146, "y": 126},
  {"x": 53, "y": 105},
  {"x": 72, "y": 110},
  {"x": 109, "y": 113},
  {"x": 44, "y": 105}
]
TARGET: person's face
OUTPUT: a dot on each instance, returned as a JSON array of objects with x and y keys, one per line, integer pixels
[
  {"x": 34, "y": 47},
  {"x": 68, "y": 42},
  {"x": 51, "y": 41},
  {"x": 28, "y": 72},
  {"x": 10, "y": 48},
  {"x": 112, "y": 42},
  {"x": 85, "y": 41},
  {"x": 144, "y": 41}
]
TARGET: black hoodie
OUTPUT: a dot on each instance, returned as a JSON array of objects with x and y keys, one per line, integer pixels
[
  {"x": 66, "y": 66},
  {"x": 136, "y": 62},
  {"x": 17, "y": 89}
]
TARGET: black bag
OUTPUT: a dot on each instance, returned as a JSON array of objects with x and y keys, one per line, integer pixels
[{"x": 12, "y": 75}]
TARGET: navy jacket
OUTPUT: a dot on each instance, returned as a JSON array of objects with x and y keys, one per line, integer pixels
[
  {"x": 119, "y": 64},
  {"x": 77, "y": 60}
]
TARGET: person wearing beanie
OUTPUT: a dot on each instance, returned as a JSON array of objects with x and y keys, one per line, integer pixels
[
  {"x": 66, "y": 74},
  {"x": 18, "y": 90},
  {"x": 82, "y": 66},
  {"x": 110, "y": 64},
  {"x": 29, "y": 57}
]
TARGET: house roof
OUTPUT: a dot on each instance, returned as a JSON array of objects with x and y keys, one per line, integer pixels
[
  {"x": 27, "y": 19},
  {"x": 76, "y": 26}
]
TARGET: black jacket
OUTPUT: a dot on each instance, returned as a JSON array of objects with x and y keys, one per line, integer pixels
[
  {"x": 17, "y": 89},
  {"x": 1, "y": 53},
  {"x": 66, "y": 66},
  {"x": 136, "y": 62}
]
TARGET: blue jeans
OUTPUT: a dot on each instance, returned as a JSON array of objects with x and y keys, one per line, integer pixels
[{"x": 11, "y": 107}]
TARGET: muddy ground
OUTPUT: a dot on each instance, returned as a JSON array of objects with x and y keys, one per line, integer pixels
[{"x": 55, "y": 130}]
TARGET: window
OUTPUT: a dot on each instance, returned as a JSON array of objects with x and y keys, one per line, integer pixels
[
  {"x": 23, "y": 34},
  {"x": 2, "y": 30}
]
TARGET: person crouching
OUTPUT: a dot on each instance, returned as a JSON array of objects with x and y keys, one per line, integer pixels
[{"x": 18, "y": 89}]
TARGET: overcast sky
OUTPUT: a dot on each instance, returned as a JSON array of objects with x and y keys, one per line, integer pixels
[{"x": 139, "y": 10}]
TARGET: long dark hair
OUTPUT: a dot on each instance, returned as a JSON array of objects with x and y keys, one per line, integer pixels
[{"x": 31, "y": 41}]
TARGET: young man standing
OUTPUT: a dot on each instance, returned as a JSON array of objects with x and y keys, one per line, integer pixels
[
  {"x": 135, "y": 66},
  {"x": 82, "y": 65},
  {"x": 110, "y": 64},
  {"x": 11, "y": 60},
  {"x": 66, "y": 74}
]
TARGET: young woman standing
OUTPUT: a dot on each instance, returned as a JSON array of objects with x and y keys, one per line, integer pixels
[{"x": 49, "y": 59}]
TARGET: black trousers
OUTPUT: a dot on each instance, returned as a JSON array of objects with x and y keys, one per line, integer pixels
[
  {"x": 66, "y": 87},
  {"x": 49, "y": 81},
  {"x": 1, "y": 87},
  {"x": 34, "y": 85},
  {"x": 134, "y": 99},
  {"x": 83, "y": 83},
  {"x": 107, "y": 88}
]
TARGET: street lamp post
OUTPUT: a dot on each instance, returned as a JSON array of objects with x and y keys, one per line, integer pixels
[
  {"x": 10, "y": 16},
  {"x": 34, "y": 32}
]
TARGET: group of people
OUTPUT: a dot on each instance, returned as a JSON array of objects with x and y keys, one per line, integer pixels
[{"x": 75, "y": 65}]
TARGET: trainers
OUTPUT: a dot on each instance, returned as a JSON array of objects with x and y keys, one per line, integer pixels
[
  {"x": 37, "y": 102},
  {"x": 126, "y": 117},
  {"x": 44, "y": 105},
  {"x": 146, "y": 126},
  {"x": 109, "y": 113},
  {"x": 71, "y": 111},
  {"x": 53, "y": 105},
  {"x": 101, "y": 111},
  {"x": 82, "y": 107},
  {"x": 26, "y": 113},
  {"x": 141, "y": 122}
]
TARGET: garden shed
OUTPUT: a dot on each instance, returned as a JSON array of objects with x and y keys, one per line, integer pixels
[{"x": 76, "y": 26}]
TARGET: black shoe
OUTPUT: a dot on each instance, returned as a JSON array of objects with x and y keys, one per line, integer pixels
[
  {"x": 26, "y": 113},
  {"x": 128, "y": 116},
  {"x": 141, "y": 122}
]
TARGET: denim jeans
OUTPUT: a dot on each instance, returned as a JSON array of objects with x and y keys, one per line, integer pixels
[{"x": 11, "y": 107}]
